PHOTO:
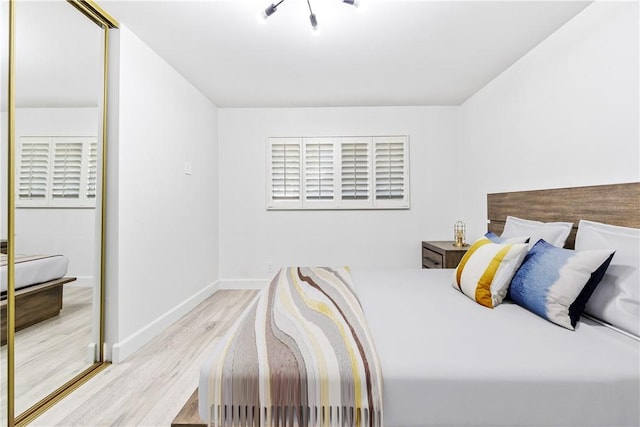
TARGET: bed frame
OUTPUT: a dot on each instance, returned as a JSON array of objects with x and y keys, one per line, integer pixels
[
  {"x": 617, "y": 204},
  {"x": 33, "y": 305}
]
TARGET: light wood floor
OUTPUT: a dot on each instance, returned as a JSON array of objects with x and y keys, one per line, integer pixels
[
  {"x": 51, "y": 352},
  {"x": 150, "y": 387}
]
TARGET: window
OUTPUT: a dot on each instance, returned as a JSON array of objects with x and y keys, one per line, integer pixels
[
  {"x": 338, "y": 173},
  {"x": 57, "y": 172}
]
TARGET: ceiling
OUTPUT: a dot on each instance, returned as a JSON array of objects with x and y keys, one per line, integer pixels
[
  {"x": 389, "y": 52},
  {"x": 385, "y": 52},
  {"x": 56, "y": 65}
]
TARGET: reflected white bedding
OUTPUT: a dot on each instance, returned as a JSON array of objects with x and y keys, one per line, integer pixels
[
  {"x": 447, "y": 361},
  {"x": 30, "y": 271}
]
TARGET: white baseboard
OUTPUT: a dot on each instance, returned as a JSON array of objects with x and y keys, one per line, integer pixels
[
  {"x": 123, "y": 349},
  {"x": 106, "y": 349},
  {"x": 91, "y": 353},
  {"x": 243, "y": 283},
  {"x": 82, "y": 282}
]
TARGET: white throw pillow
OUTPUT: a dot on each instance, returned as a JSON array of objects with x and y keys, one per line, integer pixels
[
  {"x": 486, "y": 269},
  {"x": 617, "y": 299},
  {"x": 555, "y": 233}
]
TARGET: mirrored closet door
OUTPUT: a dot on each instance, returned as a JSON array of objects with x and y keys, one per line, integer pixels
[
  {"x": 4, "y": 209},
  {"x": 53, "y": 142},
  {"x": 57, "y": 97}
]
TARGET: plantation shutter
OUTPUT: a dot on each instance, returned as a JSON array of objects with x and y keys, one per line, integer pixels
[
  {"x": 389, "y": 169},
  {"x": 285, "y": 170},
  {"x": 92, "y": 175},
  {"x": 67, "y": 170},
  {"x": 57, "y": 171},
  {"x": 34, "y": 169},
  {"x": 319, "y": 170},
  {"x": 352, "y": 172},
  {"x": 355, "y": 170}
]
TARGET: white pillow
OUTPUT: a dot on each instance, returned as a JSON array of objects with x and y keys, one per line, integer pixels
[
  {"x": 486, "y": 269},
  {"x": 555, "y": 233},
  {"x": 617, "y": 299}
]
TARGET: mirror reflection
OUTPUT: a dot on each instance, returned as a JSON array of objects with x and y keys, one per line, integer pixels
[
  {"x": 4, "y": 55},
  {"x": 58, "y": 82}
]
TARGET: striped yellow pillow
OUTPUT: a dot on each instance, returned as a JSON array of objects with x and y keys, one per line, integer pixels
[{"x": 486, "y": 270}]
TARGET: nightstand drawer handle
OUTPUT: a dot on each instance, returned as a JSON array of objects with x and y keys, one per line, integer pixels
[{"x": 433, "y": 261}]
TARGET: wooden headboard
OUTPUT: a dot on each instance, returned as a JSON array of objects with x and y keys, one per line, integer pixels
[{"x": 617, "y": 204}]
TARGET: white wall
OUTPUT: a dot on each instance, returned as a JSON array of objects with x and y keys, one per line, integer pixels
[
  {"x": 566, "y": 114},
  {"x": 251, "y": 236},
  {"x": 3, "y": 167},
  {"x": 165, "y": 227},
  {"x": 67, "y": 231}
]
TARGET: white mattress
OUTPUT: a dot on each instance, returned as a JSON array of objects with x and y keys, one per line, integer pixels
[
  {"x": 35, "y": 271},
  {"x": 449, "y": 361}
]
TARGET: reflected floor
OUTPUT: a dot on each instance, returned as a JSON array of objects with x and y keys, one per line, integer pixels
[{"x": 51, "y": 352}]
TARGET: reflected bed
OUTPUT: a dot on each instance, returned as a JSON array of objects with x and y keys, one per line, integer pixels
[{"x": 38, "y": 296}]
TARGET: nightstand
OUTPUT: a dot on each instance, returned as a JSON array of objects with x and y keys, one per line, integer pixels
[{"x": 441, "y": 254}]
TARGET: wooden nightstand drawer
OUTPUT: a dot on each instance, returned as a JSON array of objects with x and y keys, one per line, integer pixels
[
  {"x": 431, "y": 259},
  {"x": 441, "y": 254}
]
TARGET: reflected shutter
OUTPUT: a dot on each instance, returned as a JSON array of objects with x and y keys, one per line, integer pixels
[
  {"x": 92, "y": 174},
  {"x": 34, "y": 170},
  {"x": 67, "y": 170}
]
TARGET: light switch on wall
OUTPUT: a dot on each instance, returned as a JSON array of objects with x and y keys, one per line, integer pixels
[{"x": 187, "y": 168}]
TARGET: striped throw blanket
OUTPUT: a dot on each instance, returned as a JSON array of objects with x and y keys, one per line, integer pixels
[{"x": 301, "y": 356}]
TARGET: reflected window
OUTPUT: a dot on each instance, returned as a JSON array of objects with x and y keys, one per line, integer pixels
[{"x": 57, "y": 172}]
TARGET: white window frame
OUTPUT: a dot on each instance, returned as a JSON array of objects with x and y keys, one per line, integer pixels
[
  {"x": 337, "y": 202},
  {"x": 49, "y": 201}
]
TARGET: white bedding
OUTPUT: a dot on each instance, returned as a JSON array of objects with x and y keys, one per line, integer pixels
[
  {"x": 447, "y": 361},
  {"x": 34, "y": 271}
]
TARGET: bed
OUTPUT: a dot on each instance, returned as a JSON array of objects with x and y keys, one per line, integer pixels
[
  {"x": 462, "y": 364},
  {"x": 448, "y": 361},
  {"x": 38, "y": 282}
]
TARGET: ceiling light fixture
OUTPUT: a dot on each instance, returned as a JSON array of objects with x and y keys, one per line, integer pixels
[
  {"x": 271, "y": 9},
  {"x": 312, "y": 17}
]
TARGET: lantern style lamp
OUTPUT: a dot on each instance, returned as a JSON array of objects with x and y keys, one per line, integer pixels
[{"x": 459, "y": 234}]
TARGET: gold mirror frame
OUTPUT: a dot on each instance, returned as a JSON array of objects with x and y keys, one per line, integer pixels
[{"x": 101, "y": 18}]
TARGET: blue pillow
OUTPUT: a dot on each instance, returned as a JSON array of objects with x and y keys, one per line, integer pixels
[
  {"x": 497, "y": 239},
  {"x": 556, "y": 283},
  {"x": 493, "y": 237}
]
